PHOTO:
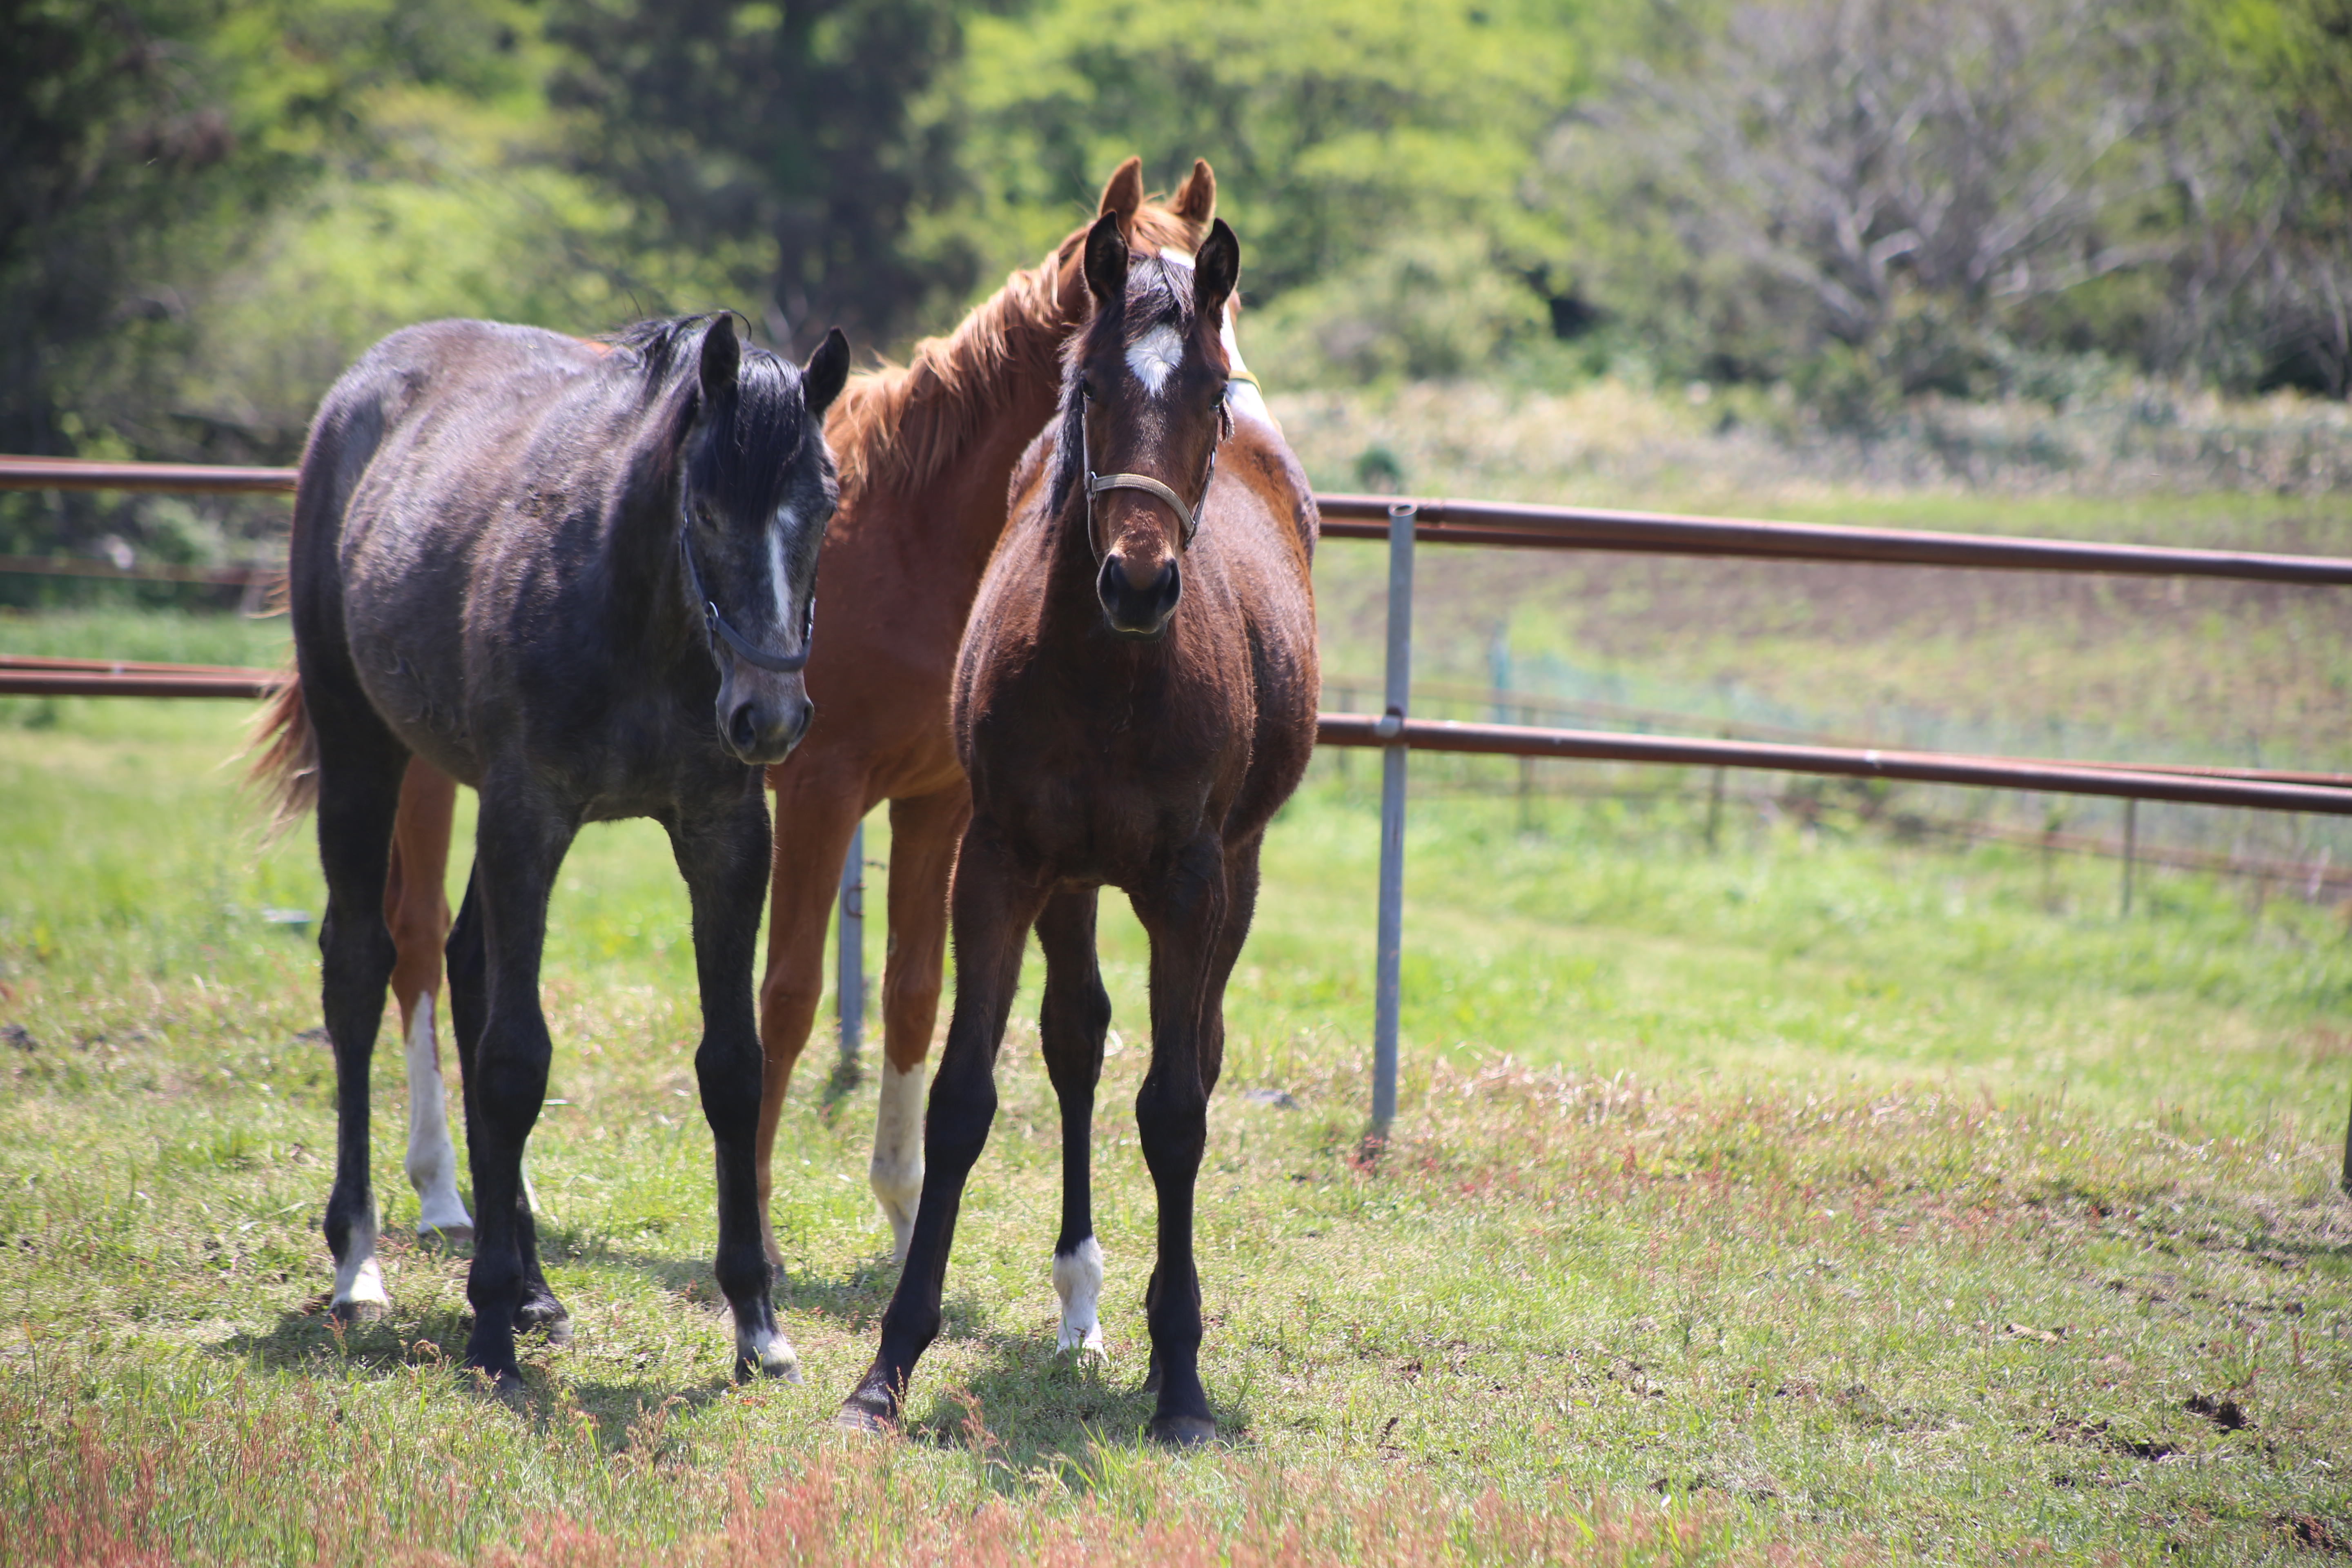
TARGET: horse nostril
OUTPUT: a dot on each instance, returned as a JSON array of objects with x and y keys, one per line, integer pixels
[
  {"x": 743, "y": 729},
  {"x": 796, "y": 727},
  {"x": 1172, "y": 587}
]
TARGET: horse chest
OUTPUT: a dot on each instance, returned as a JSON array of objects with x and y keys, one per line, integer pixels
[{"x": 1092, "y": 787}]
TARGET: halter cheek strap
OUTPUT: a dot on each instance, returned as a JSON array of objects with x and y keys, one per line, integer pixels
[
  {"x": 1188, "y": 516},
  {"x": 716, "y": 628}
]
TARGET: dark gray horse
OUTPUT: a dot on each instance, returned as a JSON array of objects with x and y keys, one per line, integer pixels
[{"x": 578, "y": 576}]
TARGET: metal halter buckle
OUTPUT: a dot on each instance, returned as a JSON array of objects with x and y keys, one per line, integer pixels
[{"x": 715, "y": 624}]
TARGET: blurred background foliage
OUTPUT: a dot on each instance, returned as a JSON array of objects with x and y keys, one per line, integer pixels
[{"x": 207, "y": 209}]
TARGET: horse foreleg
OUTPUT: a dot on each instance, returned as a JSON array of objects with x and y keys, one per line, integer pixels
[
  {"x": 720, "y": 858},
  {"x": 518, "y": 851},
  {"x": 924, "y": 832},
  {"x": 1071, "y": 1021},
  {"x": 994, "y": 906},
  {"x": 1183, "y": 914},
  {"x": 816, "y": 815},
  {"x": 418, "y": 912}
]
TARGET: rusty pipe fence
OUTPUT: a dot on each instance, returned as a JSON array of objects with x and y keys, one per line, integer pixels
[{"x": 1405, "y": 522}]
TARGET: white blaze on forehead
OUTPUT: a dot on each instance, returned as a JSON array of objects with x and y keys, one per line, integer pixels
[
  {"x": 777, "y": 575},
  {"x": 1154, "y": 356}
]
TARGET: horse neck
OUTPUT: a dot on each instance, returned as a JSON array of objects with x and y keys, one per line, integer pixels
[
  {"x": 646, "y": 587},
  {"x": 943, "y": 433}
]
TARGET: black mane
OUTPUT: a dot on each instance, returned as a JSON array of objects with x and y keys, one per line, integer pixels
[{"x": 753, "y": 435}]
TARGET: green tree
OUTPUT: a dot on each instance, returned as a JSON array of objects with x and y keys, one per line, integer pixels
[
  {"x": 1371, "y": 150},
  {"x": 802, "y": 146}
]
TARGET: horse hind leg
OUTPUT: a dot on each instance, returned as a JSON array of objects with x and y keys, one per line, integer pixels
[
  {"x": 924, "y": 833},
  {"x": 816, "y": 815},
  {"x": 1071, "y": 1021},
  {"x": 1182, "y": 914},
  {"x": 418, "y": 915},
  {"x": 358, "y": 767}
]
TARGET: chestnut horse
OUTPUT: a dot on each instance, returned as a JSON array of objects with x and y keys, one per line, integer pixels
[
  {"x": 925, "y": 451},
  {"x": 1134, "y": 698}
]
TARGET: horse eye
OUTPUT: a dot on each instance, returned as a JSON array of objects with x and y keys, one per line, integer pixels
[{"x": 1086, "y": 386}]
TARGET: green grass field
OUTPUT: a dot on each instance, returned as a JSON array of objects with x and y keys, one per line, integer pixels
[{"x": 1819, "y": 1198}]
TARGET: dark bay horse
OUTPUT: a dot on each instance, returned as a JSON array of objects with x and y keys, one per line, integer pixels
[
  {"x": 579, "y": 577},
  {"x": 1134, "y": 698},
  {"x": 926, "y": 452}
]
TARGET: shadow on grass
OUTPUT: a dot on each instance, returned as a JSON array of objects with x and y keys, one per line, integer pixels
[
  {"x": 1029, "y": 1408},
  {"x": 1025, "y": 1408}
]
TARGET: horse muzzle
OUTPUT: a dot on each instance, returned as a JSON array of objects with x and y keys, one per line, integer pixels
[
  {"x": 1139, "y": 601},
  {"x": 762, "y": 728}
]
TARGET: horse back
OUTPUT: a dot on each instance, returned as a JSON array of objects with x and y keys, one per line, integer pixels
[{"x": 420, "y": 458}]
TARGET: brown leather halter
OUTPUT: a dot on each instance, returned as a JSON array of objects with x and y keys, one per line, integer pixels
[{"x": 1188, "y": 516}]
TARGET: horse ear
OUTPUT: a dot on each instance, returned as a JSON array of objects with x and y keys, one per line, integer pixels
[
  {"x": 1197, "y": 200},
  {"x": 1107, "y": 261},
  {"x": 723, "y": 357},
  {"x": 1215, "y": 271},
  {"x": 1123, "y": 193},
  {"x": 826, "y": 374}
]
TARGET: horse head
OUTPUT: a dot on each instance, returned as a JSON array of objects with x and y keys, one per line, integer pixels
[
  {"x": 756, "y": 490},
  {"x": 1143, "y": 412}
]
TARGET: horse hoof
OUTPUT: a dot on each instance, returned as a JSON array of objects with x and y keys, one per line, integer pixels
[
  {"x": 503, "y": 1383},
  {"x": 359, "y": 1311},
  {"x": 1184, "y": 1431},
  {"x": 445, "y": 1235},
  {"x": 857, "y": 1417}
]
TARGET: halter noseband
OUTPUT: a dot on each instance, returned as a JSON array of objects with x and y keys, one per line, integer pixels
[
  {"x": 716, "y": 627},
  {"x": 1188, "y": 516}
]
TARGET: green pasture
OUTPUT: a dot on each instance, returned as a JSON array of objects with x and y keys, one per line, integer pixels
[{"x": 1818, "y": 1198}]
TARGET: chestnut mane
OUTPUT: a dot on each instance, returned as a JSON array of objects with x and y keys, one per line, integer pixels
[{"x": 898, "y": 426}]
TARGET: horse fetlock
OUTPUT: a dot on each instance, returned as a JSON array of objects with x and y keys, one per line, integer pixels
[
  {"x": 899, "y": 1196},
  {"x": 359, "y": 1280},
  {"x": 490, "y": 1350},
  {"x": 896, "y": 1172},
  {"x": 1078, "y": 1280},
  {"x": 432, "y": 1163},
  {"x": 761, "y": 1350}
]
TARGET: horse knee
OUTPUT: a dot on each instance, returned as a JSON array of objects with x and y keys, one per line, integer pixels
[
  {"x": 510, "y": 1090},
  {"x": 910, "y": 995},
  {"x": 1173, "y": 1124},
  {"x": 955, "y": 1129},
  {"x": 729, "y": 1074},
  {"x": 1082, "y": 1007},
  {"x": 788, "y": 1003}
]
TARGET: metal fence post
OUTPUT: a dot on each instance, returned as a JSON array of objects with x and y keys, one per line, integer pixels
[
  {"x": 849, "y": 958},
  {"x": 2131, "y": 849},
  {"x": 1391, "y": 728}
]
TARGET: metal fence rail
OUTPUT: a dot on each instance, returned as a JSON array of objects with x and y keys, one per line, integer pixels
[
  {"x": 1521, "y": 526},
  {"x": 2118, "y": 780},
  {"x": 1403, "y": 522}
]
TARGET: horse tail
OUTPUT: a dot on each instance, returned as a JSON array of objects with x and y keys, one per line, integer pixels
[{"x": 285, "y": 752}]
